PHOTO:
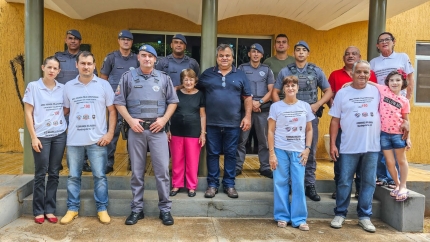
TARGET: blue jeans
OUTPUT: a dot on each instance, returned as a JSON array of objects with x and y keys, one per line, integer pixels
[
  {"x": 337, "y": 169},
  {"x": 289, "y": 169},
  {"x": 48, "y": 160},
  {"x": 392, "y": 141},
  {"x": 98, "y": 160},
  {"x": 219, "y": 139},
  {"x": 348, "y": 165}
]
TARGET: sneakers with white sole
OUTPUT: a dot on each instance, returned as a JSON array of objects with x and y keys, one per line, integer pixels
[
  {"x": 367, "y": 225},
  {"x": 337, "y": 222}
]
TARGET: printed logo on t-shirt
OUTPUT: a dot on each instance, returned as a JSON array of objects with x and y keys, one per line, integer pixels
[
  {"x": 392, "y": 102},
  {"x": 79, "y": 117},
  {"x": 357, "y": 115},
  {"x": 48, "y": 124},
  {"x": 94, "y": 116},
  {"x": 86, "y": 117}
]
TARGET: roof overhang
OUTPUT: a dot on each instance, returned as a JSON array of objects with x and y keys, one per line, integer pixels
[{"x": 318, "y": 14}]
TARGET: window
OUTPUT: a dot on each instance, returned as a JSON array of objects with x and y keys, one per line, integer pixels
[
  {"x": 240, "y": 44},
  {"x": 422, "y": 74}
]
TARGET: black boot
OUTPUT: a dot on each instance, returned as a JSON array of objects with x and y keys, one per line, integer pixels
[{"x": 311, "y": 193}]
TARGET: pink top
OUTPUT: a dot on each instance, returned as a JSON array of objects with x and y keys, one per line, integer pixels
[{"x": 391, "y": 108}]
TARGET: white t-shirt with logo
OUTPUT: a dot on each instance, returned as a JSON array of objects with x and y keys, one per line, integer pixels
[
  {"x": 382, "y": 66},
  {"x": 290, "y": 129},
  {"x": 48, "y": 115},
  {"x": 359, "y": 119},
  {"x": 87, "y": 103}
]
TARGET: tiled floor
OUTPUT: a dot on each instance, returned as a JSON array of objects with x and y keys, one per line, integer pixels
[{"x": 11, "y": 164}]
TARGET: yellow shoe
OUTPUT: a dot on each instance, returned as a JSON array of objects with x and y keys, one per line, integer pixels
[
  {"x": 103, "y": 217},
  {"x": 68, "y": 218}
]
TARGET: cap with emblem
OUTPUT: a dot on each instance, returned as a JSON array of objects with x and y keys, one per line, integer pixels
[
  {"x": 258, "y": 47},
  {"x": 75, "y": 33},
  {"x": 302, "y": 43},
  {"x": 181, "y": 37},
  {"x": 148, "y": 49},
  {"x": 125, "y": 34}
]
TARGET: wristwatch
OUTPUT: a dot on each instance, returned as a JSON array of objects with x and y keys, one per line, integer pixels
[
  {"x": 307, "y": 146},
  {"x": 261, "y": 101}
]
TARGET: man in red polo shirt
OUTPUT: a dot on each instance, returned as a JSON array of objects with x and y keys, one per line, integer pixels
[{"x": 337, "y": 79}]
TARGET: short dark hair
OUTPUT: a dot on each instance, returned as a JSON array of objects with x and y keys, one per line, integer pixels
[
  {"x": 282, "y": 36},
  {"x": 402, "y": 74},
  {"x": 188, "y": 73},
  {"x": 85, "y": 54},
  {"x": 49, "y": 58},
  {"x": 391, "y": 36},
  {"x": 290, "y": 79}
]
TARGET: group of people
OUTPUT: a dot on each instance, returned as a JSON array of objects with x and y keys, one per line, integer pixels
[{"x": 166, "y": 105}]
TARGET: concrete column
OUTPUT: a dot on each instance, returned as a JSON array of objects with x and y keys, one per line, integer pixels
[
  {"x": 208, "y": 56},
  {"x": 377, "y": 18},
  {"x": 34, "y": 13}
]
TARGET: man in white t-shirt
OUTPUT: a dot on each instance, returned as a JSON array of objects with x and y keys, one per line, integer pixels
[
  {"x": 86, "y": 98},
  {"x": 355, "y": 109}
]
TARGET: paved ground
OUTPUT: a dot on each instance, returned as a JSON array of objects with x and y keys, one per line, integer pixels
[{"x": 197, "y": 229}]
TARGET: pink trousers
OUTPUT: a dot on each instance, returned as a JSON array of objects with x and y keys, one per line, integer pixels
[{"x": 185, "y": 153}]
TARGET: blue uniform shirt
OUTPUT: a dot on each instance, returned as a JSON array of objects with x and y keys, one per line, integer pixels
[{"x": 223, "y": 104}]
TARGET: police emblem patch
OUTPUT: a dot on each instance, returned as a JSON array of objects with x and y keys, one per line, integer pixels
[
  {"x": 262, "y": 73},
  {"x": 156, "y": 88},
  {"x": 120, "y": 34},
  {"x": 253, "y": 47}
]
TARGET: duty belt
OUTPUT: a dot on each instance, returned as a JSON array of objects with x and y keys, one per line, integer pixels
[{"x": 146, "y": 123}]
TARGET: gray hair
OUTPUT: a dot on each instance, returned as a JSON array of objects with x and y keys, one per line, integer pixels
[
  {"x": 358, "y": 62},
  {"x": 223, "y": 47}
]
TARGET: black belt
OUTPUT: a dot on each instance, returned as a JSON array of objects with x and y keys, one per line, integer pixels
[{"x": 146, "y": 123}]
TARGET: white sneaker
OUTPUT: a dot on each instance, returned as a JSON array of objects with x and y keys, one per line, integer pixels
[
  {"x": 367, "y": 225},
  {"x": 337, "y": 222}
]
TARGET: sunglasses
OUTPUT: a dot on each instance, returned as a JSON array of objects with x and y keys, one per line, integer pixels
[{"x": 223, "y": 81}]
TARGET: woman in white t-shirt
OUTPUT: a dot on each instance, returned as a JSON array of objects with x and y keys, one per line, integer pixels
[
  {"x": 289, "y": 139},
  {"x": 44, "y": 116}
]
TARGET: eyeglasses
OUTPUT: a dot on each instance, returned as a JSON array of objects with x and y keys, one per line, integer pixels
[
  {"x": 223, "y": 81},
  {"x": 384, "y": 40}
]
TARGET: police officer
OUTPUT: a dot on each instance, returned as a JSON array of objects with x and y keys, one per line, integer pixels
[
  {"x": 174, "y": 63},
  {"x": 68, "y": 68},
  {"x": 114, "y": 65},
  {"x": 310, "y": 78},
  {"x": 261, "y": 80},
  {"x": 146, "y": 99}
]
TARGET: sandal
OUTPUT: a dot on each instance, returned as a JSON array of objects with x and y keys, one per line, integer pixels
[
  {"x": 381, "y": 183},
  {"x": 394, "y": 193},
  {"x": 391, "y": 185},
  {"x": 405, "y": 194},
  {"x": 282, "y": 224},
  {"x": 304, "y": 227}
]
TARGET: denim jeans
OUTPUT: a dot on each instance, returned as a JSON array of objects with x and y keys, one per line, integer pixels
[
  {"x": 337, "y": 169},
  {"x": 98, "y": 159},
  {"x": 48, "y": 160},
  {"x": 221, "y": 139},
  {"x": 382, "y": 173},
  {"x": 289, "y": 169},
  {"x": 348, "y": 165}
]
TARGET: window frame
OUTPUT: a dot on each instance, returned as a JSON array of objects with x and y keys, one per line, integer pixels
[{"x": 418, "y": 58}]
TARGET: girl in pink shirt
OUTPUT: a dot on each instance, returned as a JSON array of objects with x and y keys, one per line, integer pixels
[{"x": 394, "y": 109}]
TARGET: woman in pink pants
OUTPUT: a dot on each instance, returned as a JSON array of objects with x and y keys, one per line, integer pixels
[{"x": 187, "y": 134}]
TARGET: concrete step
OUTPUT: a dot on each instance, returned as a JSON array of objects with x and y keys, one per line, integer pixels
[
  {"x": 242, "y": 184},
  {"x": 249, "y": 204}
]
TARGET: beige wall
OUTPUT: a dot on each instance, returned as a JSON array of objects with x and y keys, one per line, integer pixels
[{"x": 100, "y": 31}]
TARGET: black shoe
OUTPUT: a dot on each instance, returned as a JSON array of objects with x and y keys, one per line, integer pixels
[
  {"x": 109, "y": 169},
  {"x": 132, "y": 219},
  {"x": 333, "y": 195},
  {"x": 191, "y": 194},
  {"x": 173, "y": 193},
  {"x": 166, "y": 217},
  {"x": 311, "y": 193},
  {"x": 357, "y": 193},
  {"x": 86, "y": 167},
  {"x": 61, "y": 167},
  {"x": 267, "y": 173},
  {"x": 238, "y": 172}
]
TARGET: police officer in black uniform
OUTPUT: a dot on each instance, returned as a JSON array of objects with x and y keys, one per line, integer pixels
[
  {"x": 174, "y": 63},
  {"x": 68, "y": 68},
  {"x": 114, "y": 65}
]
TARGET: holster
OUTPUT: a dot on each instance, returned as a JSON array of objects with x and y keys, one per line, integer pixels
[
  {"x": 320, "y": 111},
  {"x": 124, "y": 127}
]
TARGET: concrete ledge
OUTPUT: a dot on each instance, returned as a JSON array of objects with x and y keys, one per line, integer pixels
[
  {"x": 13, "y": 190},
  {"x": 407, "y": 216}
]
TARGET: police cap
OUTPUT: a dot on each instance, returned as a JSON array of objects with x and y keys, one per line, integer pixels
[
  {"x": 75, "y": 33},
  {"x": 181, "y": 37},
  {"x": 125, "y": 34},
  {"x": 302, "y": 43},
  {"x": 148, "y": 49},
  {"x": 258, "y": 47}
]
